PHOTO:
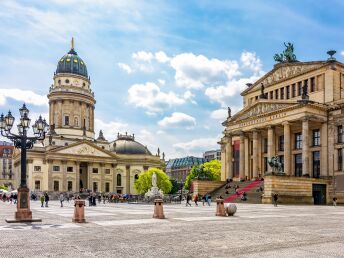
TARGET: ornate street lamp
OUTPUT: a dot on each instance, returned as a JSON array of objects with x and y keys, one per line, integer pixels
[{"x": 24, "y": 142}]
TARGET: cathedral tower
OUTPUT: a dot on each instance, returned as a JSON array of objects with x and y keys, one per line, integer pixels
[{"x": 71, "y": 100}]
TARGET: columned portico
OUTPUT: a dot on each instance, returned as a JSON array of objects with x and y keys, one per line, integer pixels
[
  {"x": 242, "y": 157},
  {"x": 271, "y": 144},
  {"x": 305, "y": 147},
  {"x": 287, "y": 148},
  {"x": 228, "y": 158},
  {"x": 255, "y": 154}
]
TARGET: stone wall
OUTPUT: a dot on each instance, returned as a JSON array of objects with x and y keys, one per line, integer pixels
[
  {"x": 202, "y": 187},
  {"x": 293, "y": 190}
]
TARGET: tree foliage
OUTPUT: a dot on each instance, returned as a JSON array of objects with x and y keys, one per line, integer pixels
[
  {"x": 175, "y": 186},
  {"x": 144, "y": 182},
  {"x": 208, "y": 171}
]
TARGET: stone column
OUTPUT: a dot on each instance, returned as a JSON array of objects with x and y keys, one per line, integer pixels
[
  {"x": 50, "y": 175},
  {"x": 127, "y": 168},
  {"x": 324, "y": 150},
  {"x": 242, "y": 157},
  {"x": 271, "y": 145},
  {"x": 102, "y": 178},
  {"x": 330, "y": 149},
  {"x": 305, "y": 147},
  {"x": 247, "y": 159},
  {"x": 287, "y": 149},
  {"x": 77, "y": 177},
  {"x": 255, "y": 154},
  {"x": 64, "y": 176},
  {"x": 229, "y": 155},
  {"x": 223, "y": 162},
  {"x": 89, "y": 174}
]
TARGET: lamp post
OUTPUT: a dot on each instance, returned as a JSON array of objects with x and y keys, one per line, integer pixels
[{"x": 24, "y": 142}]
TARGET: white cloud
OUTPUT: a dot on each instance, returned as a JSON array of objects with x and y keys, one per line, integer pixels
[
  {"x": 194, "y": 72},
  {"x": 110, "y": 129},
  {"x": 342, "y": 53},
  {"x": 26, "y": 96},
  {"x": 188, "y": 95},
  {"x": 161, "y": 57},
  {"x": 150, "y": 97},
  {"x": 161, "y": 82},
  {"x": 251, "y": 61},
  {"x": 197, "y": 146},
  {"x": 143, "y": 56},
  {"x": 219, "y": 114},
  {"x": 178, "y": 120},
  {"x": 125, "y": 67}
]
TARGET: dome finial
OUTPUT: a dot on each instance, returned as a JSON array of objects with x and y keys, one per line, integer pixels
[{"x": 72, "y": 42}]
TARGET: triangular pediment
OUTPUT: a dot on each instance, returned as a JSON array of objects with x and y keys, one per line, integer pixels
[
  {"x": 283, "y": 72},
  {"x": 261, "y": 108},
  {"x": 83, "y": 149}
]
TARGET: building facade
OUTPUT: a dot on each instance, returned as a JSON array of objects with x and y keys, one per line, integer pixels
[
  {"x": 212, "y": 155},
  {"x": 6, "y": 164},
  {"x": 294, "y": 112},
  {"x": 180, "y": 168},
  {"x": 71, "y": 158}
]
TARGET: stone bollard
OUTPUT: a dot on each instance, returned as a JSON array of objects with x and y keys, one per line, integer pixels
[
  {"x": 158, "y": 209},
  {"x": 220, "y": 209},
  {"x": 79, "y": 211},
  {"x": 230, "y": 209}
]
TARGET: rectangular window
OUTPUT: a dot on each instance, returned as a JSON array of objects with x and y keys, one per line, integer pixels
[
  {"x": 298, "y": 165},
  {"x": 299, "y": 88},
  {"x": 37, "y": 185},
  {"x": 107, "y": 171},
  {"x": 256, "y": 97},
  {"x": 293, "y": 86},
  {"x": 281, "y": 143},
  {"x": 265, "y": 145},
  {"x": 95, "y": 170},
  {"x": 298, "y": 141},
  {"x": 107, "y": 187},
  {"x": 288, "y": 92},
  {"x": 316, "y": 164},
  {"x": 316, "y": 137},
  {"x": 56, "y": 186},
  {"x": 313, "y": 88},
  {"x": 276, "y": 94},
  {"x": 70, "y": 186},
  {"x": 95, "y": 186},
  {"x": 37, "y": 168},
  {"x": 271, "y": 94},
  {"x": 56, "y": 168},
  {"x": 66, "y": 120},
  {"x": 340, "y": 158},
  {"x": 69, "y": 169},
  {"x": 265, "y": 164},
  {"x": 282, "y": 93},
  {"x": 340, "y": 134},
  {"x": 281, "y": 159}
]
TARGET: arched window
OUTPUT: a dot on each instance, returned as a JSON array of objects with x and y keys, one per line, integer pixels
[{"x": 119, "y": 179}]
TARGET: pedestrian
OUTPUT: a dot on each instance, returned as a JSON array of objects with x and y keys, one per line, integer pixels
[
  {"x": 61, "y": 199},
  {"x": 188, "y": 199},
  {"x": 203, "y": 199},
  {"x": 196, "y": 199},
  {"x": 42, "y": 200},
  {"x": 335, "y": 201},
  {"x": 15, "y": 196},
  {"x": 46, "y": 199},
  {"x": 208, "y": 199},
  {"x": 90, "y": 200},
  {"x": 275, "y": 197}
]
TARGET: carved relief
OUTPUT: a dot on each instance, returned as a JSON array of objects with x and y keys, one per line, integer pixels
[
  {"x": 262, "y": 108},
  {"x": 84, "y": 149}
]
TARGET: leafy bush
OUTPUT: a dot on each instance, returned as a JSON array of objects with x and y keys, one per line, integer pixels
[{"x": 144, "y": 182}]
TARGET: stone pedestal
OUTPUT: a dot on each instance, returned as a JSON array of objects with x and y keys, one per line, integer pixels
[
  {"x": 23, "y": 213},
  {"x": 220, "y": 208},
  {"x": 79, "y": 211},
  {"x": 158, "y": 209}
]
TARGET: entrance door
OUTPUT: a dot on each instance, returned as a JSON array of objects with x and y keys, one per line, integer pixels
[
  {"x": 83, "y": 175},
  {"x": 319, "y": 194}
]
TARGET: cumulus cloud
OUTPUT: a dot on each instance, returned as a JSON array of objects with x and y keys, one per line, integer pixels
[
  {"x": 196, "y": 146},
  {"x": 110, "y": 128},
  {"x": 178, "y": 120},
  {"x": 219, "y": 114},
  {"x": 251, "y": 61},
  {"x": 143, "y": 56},
  {"x": 26, "y": 96},
  {"x": 161, "y": 57},
  {"x": 150, "y": 97},
  {"x": 125, "y": 67},
  {"x": 194, "y": 72}
]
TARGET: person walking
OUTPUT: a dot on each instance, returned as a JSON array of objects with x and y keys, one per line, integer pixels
[
  {"x": 42, "y": 201},
  {"x": 46, "y": 199},
  {"x": 334, "y": 201},
  {"x": 275, "y": 197},
  {"x": 196, "y": 199},
  {"x": 203, "y": 199},
  {"x": 188, "y": 199},
  {"x": 61, "y": 199},
  {"x": 208, "y": 198}
]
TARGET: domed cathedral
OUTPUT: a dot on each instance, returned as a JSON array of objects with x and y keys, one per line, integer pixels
[{"x": 71, "y": 158}]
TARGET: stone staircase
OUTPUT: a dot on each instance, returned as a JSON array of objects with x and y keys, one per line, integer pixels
[{"x": 252, "y": 195}]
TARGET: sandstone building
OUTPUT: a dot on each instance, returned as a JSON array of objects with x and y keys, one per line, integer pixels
[
  {"x": 294, "y": 112},
  {"x": 71, "y": 158}
]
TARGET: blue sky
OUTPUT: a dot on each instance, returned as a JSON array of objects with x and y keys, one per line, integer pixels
[{"x": 164, "y": 70}]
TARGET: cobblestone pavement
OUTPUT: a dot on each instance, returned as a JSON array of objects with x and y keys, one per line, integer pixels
[{"x": 128, "y": 230}]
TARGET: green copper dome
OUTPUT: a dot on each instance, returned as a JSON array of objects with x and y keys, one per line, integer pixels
[{"x": 72, "y": 63}]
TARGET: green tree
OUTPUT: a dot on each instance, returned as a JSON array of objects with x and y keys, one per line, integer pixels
[
  {"x": 175, "y": 186},
  {"x": 208, "y": 171},
  {"x": 144, "y": 182}
]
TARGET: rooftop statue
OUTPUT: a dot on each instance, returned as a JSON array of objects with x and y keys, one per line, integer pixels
[{"x": 287, "y": 55}]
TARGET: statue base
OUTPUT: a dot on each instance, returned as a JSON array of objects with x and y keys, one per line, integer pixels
[{"x": 23, "y": 213}]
